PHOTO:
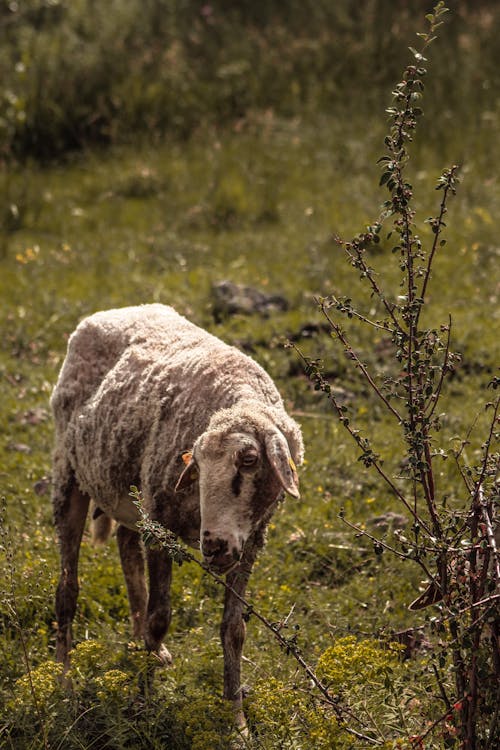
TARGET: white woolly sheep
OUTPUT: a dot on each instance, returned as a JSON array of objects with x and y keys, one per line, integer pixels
[{"x": 139, "y": 387}]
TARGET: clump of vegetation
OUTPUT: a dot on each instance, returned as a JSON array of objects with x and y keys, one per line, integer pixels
[
  {"x": 74, "y": 72},
  {"x": 365, "y": 675}
]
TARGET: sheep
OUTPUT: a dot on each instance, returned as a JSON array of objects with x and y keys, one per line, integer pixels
[{"x": 147, "y": 398}]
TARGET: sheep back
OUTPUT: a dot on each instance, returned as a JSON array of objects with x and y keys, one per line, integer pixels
[{"x": 137, "y": 387}]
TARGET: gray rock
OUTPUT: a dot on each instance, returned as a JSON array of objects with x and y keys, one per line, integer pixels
[
  {"x": 233, "y": 299},
  {"x": 389, "y": 520}
]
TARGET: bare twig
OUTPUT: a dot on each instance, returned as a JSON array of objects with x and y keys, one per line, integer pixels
[
  {"x": 358, "y": 260},
  {"x": 372, "y": 461},
  {"x": 490, "y": 534},
  {"x": 486, "y": 451},
  {"x": 449, "y": 185},
  {"x": 352, "y": 354},
  {"x": 355, "y": 314},
  {"x": 434, "y": 398}
]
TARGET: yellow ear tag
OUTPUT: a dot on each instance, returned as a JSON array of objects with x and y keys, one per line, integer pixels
[
  {"x": 186, "y": 457},
  {"x": 292, "y": 464}
]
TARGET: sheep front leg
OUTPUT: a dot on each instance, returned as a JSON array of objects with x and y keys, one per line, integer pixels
[
  {"x": 159, "y": 610},
  {"x": 132, "y": 560},
  {"x": 233, "y": 631},
  {"x": 70, "y": 511}
]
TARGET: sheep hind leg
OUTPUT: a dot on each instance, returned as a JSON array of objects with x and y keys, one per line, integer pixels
[
  {"x": 70, "y": 511},
  {"x": 132, "y": 560}
]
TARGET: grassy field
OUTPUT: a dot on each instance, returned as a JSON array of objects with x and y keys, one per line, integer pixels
[{"x": 257, "y": 203}]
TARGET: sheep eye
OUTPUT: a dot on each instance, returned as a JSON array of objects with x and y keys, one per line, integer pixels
[{"x": 248, "y": 459}]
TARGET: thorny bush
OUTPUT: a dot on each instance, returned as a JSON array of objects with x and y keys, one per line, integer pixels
[{"x": 454, "y": 535}]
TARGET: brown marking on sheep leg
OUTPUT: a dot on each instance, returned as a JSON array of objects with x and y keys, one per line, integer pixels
[
  {"x": 233, "y": 630},
  {"x": 132, "y": 560},
  {"x": 71, "y": 506},
  {"x": 158, "y": 610}
]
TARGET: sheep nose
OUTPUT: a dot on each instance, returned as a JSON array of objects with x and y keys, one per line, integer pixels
[
  {"x": 218, "y": 554},
  {"x": 213, "y": 546}
]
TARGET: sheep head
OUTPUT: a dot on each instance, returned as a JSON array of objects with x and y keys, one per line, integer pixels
[{"x": 242, "y": 471}]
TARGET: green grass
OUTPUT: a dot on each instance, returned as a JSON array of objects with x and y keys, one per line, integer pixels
[{"x": 257, "y": 206}]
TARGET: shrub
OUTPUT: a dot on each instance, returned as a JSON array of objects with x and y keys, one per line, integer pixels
[
  {"x": 453, "y": 536},
  {"x": 38, "y": 691},
  {"x": 350, "y": 664},
  {"x": 368, "y": 678}
]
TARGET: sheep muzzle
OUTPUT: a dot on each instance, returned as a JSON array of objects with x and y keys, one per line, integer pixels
[{"x": 221, "y": 555}]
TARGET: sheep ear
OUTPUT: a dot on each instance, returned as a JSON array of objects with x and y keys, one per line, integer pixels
[
  {"x": 280, "y": 459},
  {"x": 190, "y": 473}
]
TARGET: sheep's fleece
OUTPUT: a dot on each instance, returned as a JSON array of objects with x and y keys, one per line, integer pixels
[{"x": 138, "y": 386}]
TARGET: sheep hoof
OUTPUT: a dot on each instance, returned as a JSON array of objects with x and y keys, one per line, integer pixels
[
  {"x": 164, "y": 656},
  {"x": 240, "y": 723},
  {"x": 243, "y": 738}
]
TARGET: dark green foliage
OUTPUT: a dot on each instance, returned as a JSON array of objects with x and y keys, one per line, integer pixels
[{"x": 76, "y": 72}]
